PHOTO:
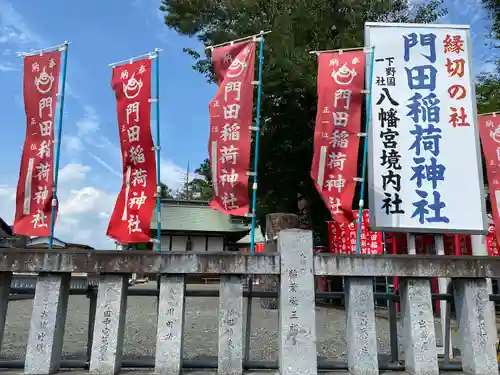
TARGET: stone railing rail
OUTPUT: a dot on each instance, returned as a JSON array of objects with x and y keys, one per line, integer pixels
[{"x": 296, "y": 266}]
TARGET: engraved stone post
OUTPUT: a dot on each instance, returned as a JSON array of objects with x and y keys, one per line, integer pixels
[
  {"x": 168, "y": 359},
  {"x": 275, "y": 223},
  {"x": 297, "y": 310},
  {"x": 43, "y": 353},
  {"x": 107, "y": 345},
  {"x": 5, "y": 280},
  {"x": 477, "y": 327},
  {"x": 230, "y": 361},
  {"x": 419, "y": 336},
  {"x": 361, "y": 330}
]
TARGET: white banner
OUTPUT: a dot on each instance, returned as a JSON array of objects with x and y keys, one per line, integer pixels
[{"x": 424, "y": 157}]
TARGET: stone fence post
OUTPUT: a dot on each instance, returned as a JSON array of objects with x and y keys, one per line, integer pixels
[{"x": 297, "y": 311}]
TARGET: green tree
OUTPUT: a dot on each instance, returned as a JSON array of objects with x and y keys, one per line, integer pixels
[
  {"x": 488, "y": 92},
  {"x": 166, "y": 192},
  {"x": 488, "y": 85},
  {"x": 493, "y": 9},
  {"x": 289, "y": 77},
  {"x": 200, "y": 187}
]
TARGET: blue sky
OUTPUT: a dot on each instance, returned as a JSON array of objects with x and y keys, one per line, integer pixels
[{"x": 102, "y": 32}]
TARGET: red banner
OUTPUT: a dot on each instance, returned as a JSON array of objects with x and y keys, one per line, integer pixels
[
  {"x": 336, "y": 139},
  {"x": 454, "y": 244},
  {"x": 491, "y": 241},
  {"x": 131, "y": 218},
  {"x": 343, "y": 237},
  {"x": 36, "y": 175},
  {"x": 230, "y": 140},
  {"x": 489, "y": 131}
]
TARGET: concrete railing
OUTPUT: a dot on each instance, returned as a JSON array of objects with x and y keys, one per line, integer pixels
[{"x": 296, "y": 266}]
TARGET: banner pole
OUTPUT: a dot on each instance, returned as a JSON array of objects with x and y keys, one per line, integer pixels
[
  {"x": 158, "y": 148},
  {"x": 257, "y": 134},
  {"x": 365, "y": 152},
  {"x": 231, "y": 42},
  {"x": 55, "y": 201}
]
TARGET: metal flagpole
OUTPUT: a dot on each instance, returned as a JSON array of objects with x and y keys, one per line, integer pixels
[
  {"x": 254, "y": 191},
  {"x": 231, "y": 42},
  {"x": 257, "y": 133},
  {"x": 44, "y": 50},
  {"x": 158, "y": 148},
  {"x": 58, "y": 145},
  {"x": 365, "y": 152}
]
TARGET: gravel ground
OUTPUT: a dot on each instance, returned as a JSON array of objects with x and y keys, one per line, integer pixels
[{"x": 200, "y": 329}]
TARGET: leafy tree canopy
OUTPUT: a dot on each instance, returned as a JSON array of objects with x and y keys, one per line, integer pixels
[
  {"x": 493, "y": 9},
  {"x": 166, "y": 192},
  {"x": 488, "y": 85}
]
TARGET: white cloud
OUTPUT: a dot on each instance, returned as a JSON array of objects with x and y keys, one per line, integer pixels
[
  {"x": 89, "y": 132},
  {"x": 105, "y": 165},
  {"x": 7, "y": 194},
  {"x": 88, "y": 125},
  {"x": 171, "y": 174},
  {"x": 8, "y": 67},
  {"x": 83, "y": 214},
  {"x": 70, "y": 91},
  {"x": 73, "y": 172},
  {"x": 14, "y": 29},
  {"x": 85, "y": 200},
  {"x": 72, "y": 143}
]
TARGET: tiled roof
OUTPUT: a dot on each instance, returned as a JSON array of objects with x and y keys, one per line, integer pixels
[
  {"x": 196, "y": 216},
  {"x": 259, "y": 238}
]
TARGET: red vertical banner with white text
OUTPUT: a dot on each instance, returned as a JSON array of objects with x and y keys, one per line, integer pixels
[
  {"x": 36, "y": 175},
  {"x": 131, "y": 218},
  {"x": 229, "y": 146},
  {"x": 489, "y": 132},
  {"x": 343, "y": 236},
  {"x": 336, "y": 135}
]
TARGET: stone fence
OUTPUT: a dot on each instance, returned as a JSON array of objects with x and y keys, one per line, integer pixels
[{"x": 296, "y": 266}]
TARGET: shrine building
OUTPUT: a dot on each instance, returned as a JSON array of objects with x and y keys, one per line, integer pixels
[{"x": 194, "y": 226}]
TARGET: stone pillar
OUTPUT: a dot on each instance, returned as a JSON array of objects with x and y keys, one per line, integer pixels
[
  {"x": 477, "y": 325},
  {"x": 274, "y": 224},
  {"x": 230, "y": 357},
  {"x": 297, "y": 310},
  {"x": 480, "y": 248},
  {"x": 109, "y": 327},
  {"x": 5, "y": 281},
  {"x": 45, "y": 339},
  {"x": 419, "y": 336},
  {"x": 361, "y": 330},
  {"x": 168, "y": 359}
]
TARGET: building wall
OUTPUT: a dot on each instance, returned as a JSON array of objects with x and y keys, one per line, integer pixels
[
  {"x": 198, "y": 243},
  {"x": 179, "y": 243},
  {"x": 215, "y": 244},
  {"x": 165, "y": 243}
]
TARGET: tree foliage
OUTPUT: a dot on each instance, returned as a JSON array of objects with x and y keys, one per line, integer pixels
[
  {"x": 493, "y": 9},
  {"x": 488, "y": 85},
  {"x": 488, "y": 92},
  {"x": 199, "y": 188},
  {"x": 289, "y": 76},
  {"x": 166, "y": 192}
]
